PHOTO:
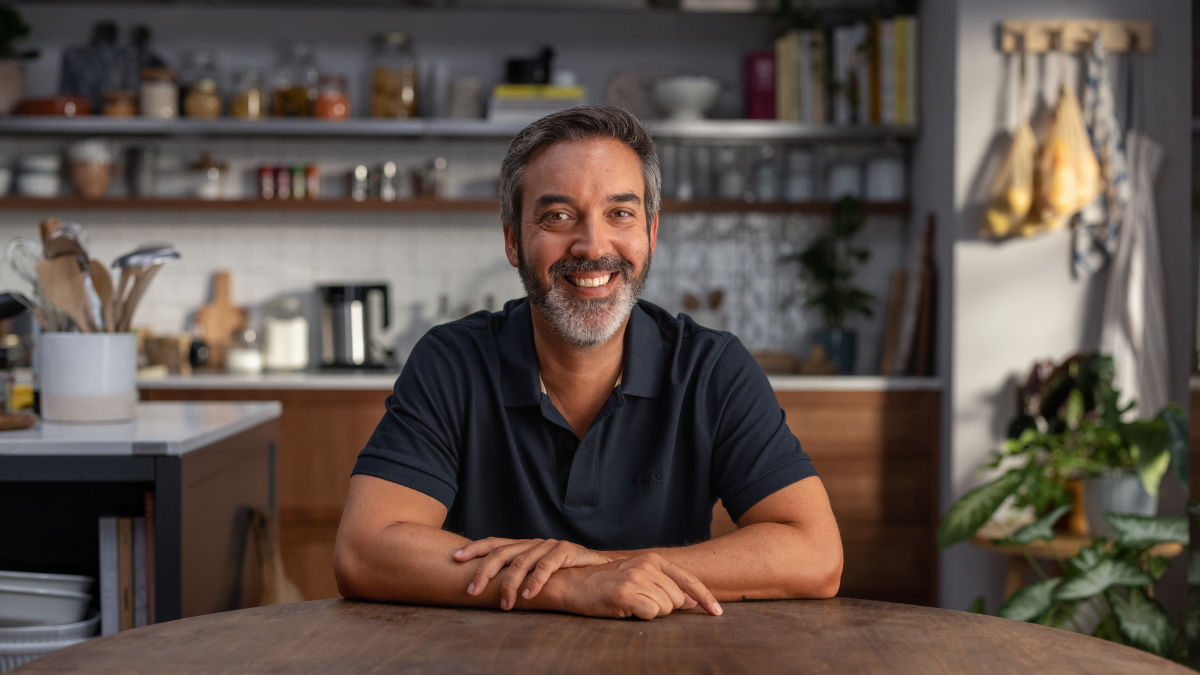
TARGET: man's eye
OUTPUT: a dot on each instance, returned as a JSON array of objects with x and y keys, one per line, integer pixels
[
  {"x": 624, "y": 213},
  {"x": 556, "y": 216}
]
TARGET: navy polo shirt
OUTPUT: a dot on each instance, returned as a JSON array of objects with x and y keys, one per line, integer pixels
[{"x": 693, "y": 419}]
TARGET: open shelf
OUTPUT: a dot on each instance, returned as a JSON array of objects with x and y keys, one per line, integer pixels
[
  {"x": 442, "y": 205},
  {"x": 717, "y": 130}
]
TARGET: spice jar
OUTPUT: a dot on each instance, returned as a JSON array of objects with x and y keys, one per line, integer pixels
[
  {"x": 209, "y": 180},
  {"x": 249, "y": 99},
  {"x": 393, "y": 77},
  {"x": 119, "y": 103},
  {"x": 332, "y": 102},
  {"x": 159, "y": 96},
  {"x": 198, "y": 66},
  {"x": 296, "y": 77},
  {"x": 202, "y": 100}
]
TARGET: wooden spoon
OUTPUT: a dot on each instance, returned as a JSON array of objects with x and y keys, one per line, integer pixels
[
  {"x": 141, "y": 281},
  {"x": 103, "y": 284},
  {"x": 63, "y": 283}
]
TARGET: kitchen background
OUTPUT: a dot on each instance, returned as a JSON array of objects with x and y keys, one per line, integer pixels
[{"x": 446, "y": 260}]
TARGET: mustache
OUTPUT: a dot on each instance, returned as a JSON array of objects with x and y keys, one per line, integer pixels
[{"x": 610, "y": 263}]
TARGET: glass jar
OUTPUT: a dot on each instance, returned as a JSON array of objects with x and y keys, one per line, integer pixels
[
  {"x": 119, "y": 103},
  {"x": 249, "y": 98},
  {"x": 159, "y": 95},
  {"x": 295, "y": 81},
  {"x": 393, "y": 77},
  {"x": 202, "y": 100},
  {"x": 244, "y": 356},
  {"x": 198, "y": 65},
  {"x": 286, "y": 332},
  {"x": 332, "y": 102},
  {"x": 209, "y": 178}
]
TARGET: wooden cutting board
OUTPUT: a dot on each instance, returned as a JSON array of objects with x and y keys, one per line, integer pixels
[{"x": 218, "y": 321}]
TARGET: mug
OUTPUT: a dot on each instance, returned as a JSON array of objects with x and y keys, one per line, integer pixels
[{"x": 88, "y": 377}]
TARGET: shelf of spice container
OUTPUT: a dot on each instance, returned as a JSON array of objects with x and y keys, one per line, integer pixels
[
  {"x": 716, "y": 130},
  {"x": 429, "y": 204}
]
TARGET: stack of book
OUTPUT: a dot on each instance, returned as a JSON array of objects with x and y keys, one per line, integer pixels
[
  {"x": 862, "y": 73},
  {"x": 528, "y": 102},
  {"x": 127, "y": 570}
]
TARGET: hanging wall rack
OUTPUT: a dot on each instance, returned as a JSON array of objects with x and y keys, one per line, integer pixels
[{"x": 1070, "y": 35}]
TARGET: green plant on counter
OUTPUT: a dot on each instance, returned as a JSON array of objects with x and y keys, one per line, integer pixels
[
  {"x": 1069, "y": 425},
  {"x": 12, "y": 29},
  {"x": 828, "y": 265},
  {"x": 1107, "y": 589}
]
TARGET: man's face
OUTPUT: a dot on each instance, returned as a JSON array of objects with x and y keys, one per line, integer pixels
[{"x": 585, "y": 248}]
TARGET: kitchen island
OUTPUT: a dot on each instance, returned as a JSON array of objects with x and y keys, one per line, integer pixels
[
  {"x": 199, "y": 470},
  {"x": 874, "y": 440}
]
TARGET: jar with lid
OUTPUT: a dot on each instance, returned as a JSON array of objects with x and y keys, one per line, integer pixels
[
  {"x": 244, "y": 356},
  {"x": 249, "y": 98},
  {"x": 159, "y": 95},
  {"x": 199, "y": 66},
  {"x": 332, "y": 102},
  {"x": 295, "y": 81},
  {"x": 393, "y": 77},
  {"x": 286, "y": 332},
  {"x": 209, "y": 178},
  {"x": 202, "y": 100}
]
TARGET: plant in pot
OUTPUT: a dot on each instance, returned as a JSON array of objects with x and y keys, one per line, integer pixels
[
  {"x": 827, "y": 269},
  {"x": 12, "y": 75},
  {"x": 1070, "y": 426}
]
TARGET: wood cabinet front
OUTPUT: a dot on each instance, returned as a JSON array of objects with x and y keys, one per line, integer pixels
[{"x": 876, "y": 451}]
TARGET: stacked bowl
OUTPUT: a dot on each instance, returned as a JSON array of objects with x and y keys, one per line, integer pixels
[{"x": 43, "y": 612}]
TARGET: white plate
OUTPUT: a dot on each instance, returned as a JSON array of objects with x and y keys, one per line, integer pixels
[
  {"x": 15, "y": 655},
  {"x": 32, "y": 607},
  {"x": 48, "y": 582},
  {"x": 62, "y": 631}
]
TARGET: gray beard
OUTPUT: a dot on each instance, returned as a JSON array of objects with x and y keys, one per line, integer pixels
[{"x": 583, "y": 322}]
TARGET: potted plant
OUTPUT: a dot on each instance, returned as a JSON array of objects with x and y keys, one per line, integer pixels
[
  {"x": 827, "y": 269},
  {"x": 1069, "y": 427},
  {"x": 12, "y": 74}
]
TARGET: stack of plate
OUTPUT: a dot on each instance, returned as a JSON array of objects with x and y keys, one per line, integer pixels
[{"x": 42, "y": 612}]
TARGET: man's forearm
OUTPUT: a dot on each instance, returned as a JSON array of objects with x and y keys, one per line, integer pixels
[
  {"x": 761, "y": 561},
  {"x": 408, "y": 562}
]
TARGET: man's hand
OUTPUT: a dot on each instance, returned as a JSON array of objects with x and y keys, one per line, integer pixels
[
  {"x": 530, "y": 561},
  {"x": 646, "y": 585}
]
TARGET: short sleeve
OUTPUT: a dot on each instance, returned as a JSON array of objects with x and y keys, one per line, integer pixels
[
  {"x": 416, "y": 443},
  {"x": 754, "y": 452}
]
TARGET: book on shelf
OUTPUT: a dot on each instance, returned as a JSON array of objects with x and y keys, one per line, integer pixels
[
  {"x": 139, "y": 571},
  {"x": 109, "y": 595},
  {"x": 126, "y": 569},
  {"x": 760, "y": 85},
  {"x": 150, "y": 558},
  {"x": 125, "y": 572}
]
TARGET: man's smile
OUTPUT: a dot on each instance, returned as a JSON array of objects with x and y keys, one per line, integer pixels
[{"x": 590, "y": 281}]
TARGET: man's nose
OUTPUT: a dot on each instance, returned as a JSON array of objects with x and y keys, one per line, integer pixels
[{"x": 591, "y": 239}]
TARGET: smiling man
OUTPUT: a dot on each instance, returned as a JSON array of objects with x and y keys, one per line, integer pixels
[{"x": 566, "y": 453}]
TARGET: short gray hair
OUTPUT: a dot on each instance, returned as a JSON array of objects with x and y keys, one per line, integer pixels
[{"x": 574, "y": 124}]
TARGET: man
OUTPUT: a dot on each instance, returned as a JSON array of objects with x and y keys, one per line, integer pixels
[{"x": 566, "y": 453}]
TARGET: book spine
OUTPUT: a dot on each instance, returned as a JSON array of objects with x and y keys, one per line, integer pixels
[
  {"x": 841, "y": 73},
  {"x": 874, "y": 112},
  {"x": 109, "y": 594},
  {"x": 911, "y": 66},
  {"x": 900, "y": 33},
  {"x": 804, "y": 83},
  {"x": 125, "y": 572},
  {"x": 139, "y": 571},
  {"x": 887, "y": 72},
  {"x": 820, "y": 98},
  {"x": 862, "y": 72}
]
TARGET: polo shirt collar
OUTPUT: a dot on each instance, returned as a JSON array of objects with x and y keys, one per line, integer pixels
[{"x": 642, "y": 371}]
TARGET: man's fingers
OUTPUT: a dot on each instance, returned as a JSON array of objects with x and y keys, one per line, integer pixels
[
  {"x": 518, "y": 569},
  {"x": 694, "y": 588},
  {"x": 481, "y": 548},
  {"x": 495, "y": 561}
]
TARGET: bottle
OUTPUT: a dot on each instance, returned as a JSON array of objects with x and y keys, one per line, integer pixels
[
  {"x": 332, "y": 102},
  {"x": 198, "y": 353},
  {"x": 296, "y": 76},
  {"x": 249, "y": 98},
  {"x": 393, "y": 77},
  {"x": 202, "y": 100},
  {"x": 159, "y": 94},
  {"x": 200, "y": 66}
]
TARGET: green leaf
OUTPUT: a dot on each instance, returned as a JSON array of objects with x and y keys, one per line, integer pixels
[
  {"x": 1075, "y": 408},
  {"x": 1107, "y": 629},
  {"x": 1142, "y": 621},
  {"x": 1042, "y": 528},
  {"x": 1106, "y": 574},
  {"x": 1030, "y": 602},
  {"x": 974, "y": 508},
  {"x": 1134, "y": 530},
  {"x": 978, "y": 606},
  {"x": 1151, "y": 456},
  {"x": 1156, "y": 566},
  {"x": 1177, "y": 441},
  {"x": 1088, "y": 556},
  {"x": 1061, "y": 615}
]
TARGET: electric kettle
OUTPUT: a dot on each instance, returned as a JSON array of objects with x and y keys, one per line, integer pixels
[{"x": 351, "y": 325}]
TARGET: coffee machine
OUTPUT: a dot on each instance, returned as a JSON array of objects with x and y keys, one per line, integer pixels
[{"x": 351, "y": 325}]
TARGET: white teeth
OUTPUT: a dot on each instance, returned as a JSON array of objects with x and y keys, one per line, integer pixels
[{"x": 591, "y": 282}]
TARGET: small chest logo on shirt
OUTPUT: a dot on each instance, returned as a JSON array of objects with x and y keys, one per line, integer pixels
[{"x": 648, "y": 479}]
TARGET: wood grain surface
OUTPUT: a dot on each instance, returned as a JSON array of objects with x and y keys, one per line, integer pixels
[{"x": 839, "y": 635}]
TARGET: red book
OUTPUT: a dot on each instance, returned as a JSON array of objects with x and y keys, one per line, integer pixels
[{"x": 760, "y": 85}]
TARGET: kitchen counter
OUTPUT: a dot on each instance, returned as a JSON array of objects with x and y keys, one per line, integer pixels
[
  {"x": 161, "y": 428},
  {"x": 383, "y": 381}
]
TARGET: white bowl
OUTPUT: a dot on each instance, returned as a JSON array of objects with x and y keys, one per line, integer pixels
[
  {"x": 686, "y": 97},
  {"x": 43, "y": 185},
  {"x": 59, "y": 631},
  {"x": 48, "y": 582},
  {"x": 31, "y": 607},
  {"x": 18, "y": 654}
]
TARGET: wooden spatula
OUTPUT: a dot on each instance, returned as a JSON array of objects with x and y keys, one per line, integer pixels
[
  {"x": 220, "y": 319},
  {"x": 103, "y": 284},
  {"x": 62, "y": 281}
]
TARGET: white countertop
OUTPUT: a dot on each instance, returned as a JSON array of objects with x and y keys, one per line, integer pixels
[
  {"x": 383, "y": 381},
  {"x": 161, "y": 428}
]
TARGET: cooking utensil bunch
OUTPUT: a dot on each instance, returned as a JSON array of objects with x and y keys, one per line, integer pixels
[{"x": 70, "y": 290}]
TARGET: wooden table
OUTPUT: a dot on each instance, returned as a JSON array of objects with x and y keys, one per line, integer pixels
[{"x": 839, "y": 635}]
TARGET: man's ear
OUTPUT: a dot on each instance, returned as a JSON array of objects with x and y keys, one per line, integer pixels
[
  {"x": 510, "y": 246},
  {"x": 653, "y": 231}
]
